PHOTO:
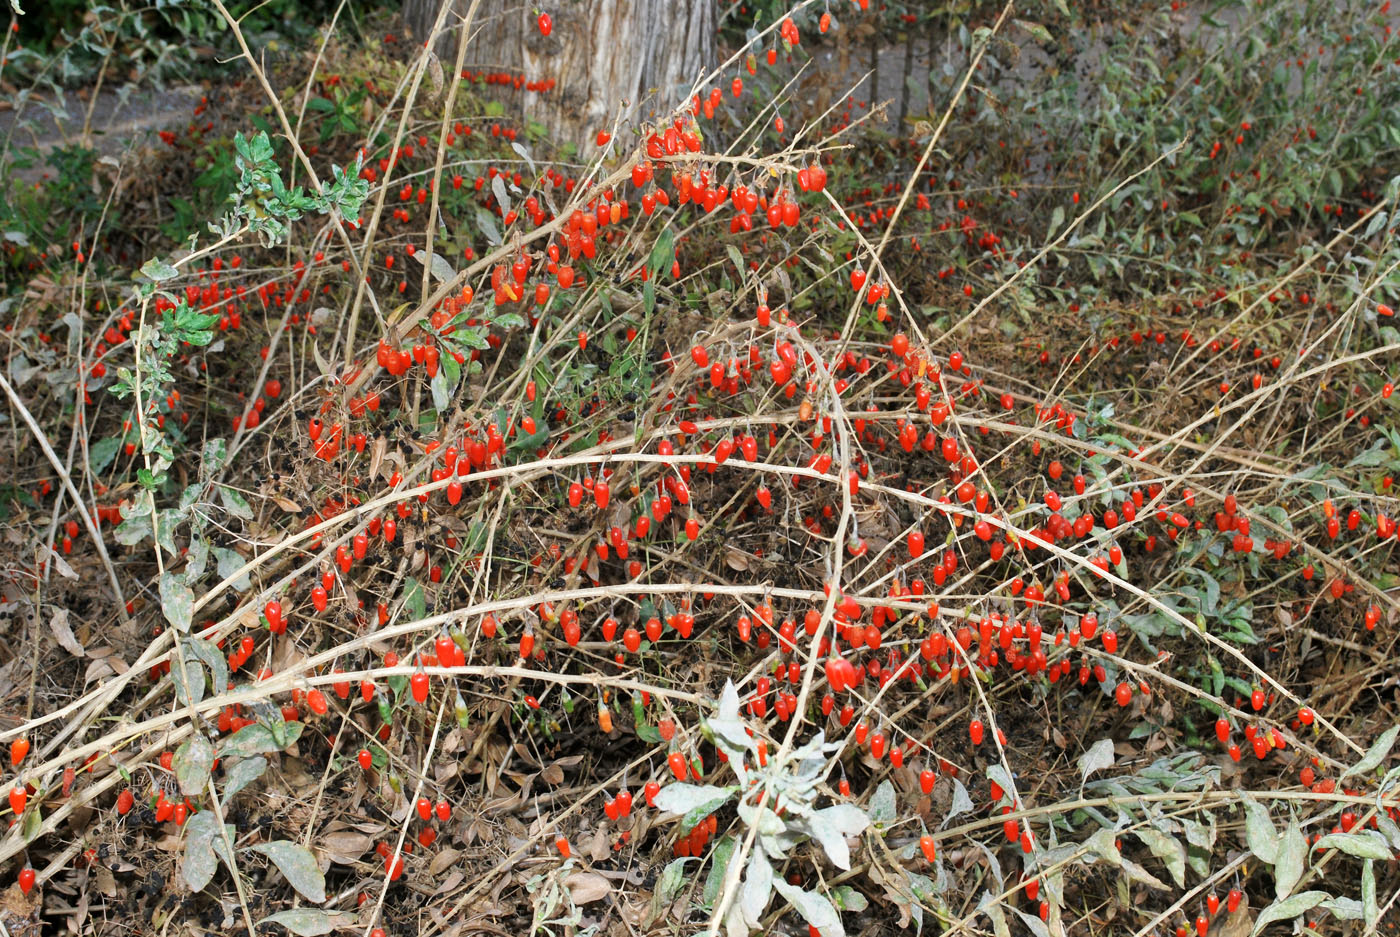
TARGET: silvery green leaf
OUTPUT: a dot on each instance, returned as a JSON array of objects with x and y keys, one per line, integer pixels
[
  {"x": 1096, "y": 758},
  {"x": 758, "y": 887},
  {"x": 729, "y": 701},
  {"x": 208, "y": 654},
  {"x": 1200, "y": 835},
  {"x": 299, "y": 867},
  {"x": 1167, "y": 848},
  {"x": 439, "y": 267},
  {"x": 1033, "y": 923},
  {"x": 815, "y": 909},
  {"x": 1260, "y": 833},
  {"x": 189, "y": 681},
  {"x": 258, "y": 739},
  {"x": 962, "y": 803},
  {"x": 1289, "y": 908},
  {"x": 304, "y": 922},
  {"x": 201, "y": 833},
  {"x": 997, "y": 773},
  {"x": 498, "y": 189},
  {"x": 133, "y": 529},
  {"x": 524, "y": 154},
  {"x": 167, "y": 520},
  {"x": 682, "y": 798},
  {"x": 693, "y": 801},
  {"x": 157, "y": 269},
  {"x": 847, "y": 898},
  {"x": 989, "y": 905},
  {"x": 1343, "y": 909},
  {"x": 1389, "y": 830},
  {"x": 1292, "y": 857},
  {"x": 734, "y": 923},
  {"x": 1370, "y": 910},
  {"x": 1365, "y": 845},
  {"x": 768, "y": 823},
  {"x": 831, "y": 826},
  {"x": 193, "y": 762},
  {"x": 1139, "y": 874},
  {"x": 811, "y": 757},
  {"x": 1102, "y": 845},
  {"x": 229, "y": 562},
  {"x": 197, "y": 557},
  {"x": 993, "y": 866},
  {"x": 731, "y": 733},
  {"x": 882, "y": 803},
  {"x": 243, "y": 772},
  {"x": 1375, "y": 754},
  {"x": 487, "y": 224},
  {"x": 176, "y": 600}
]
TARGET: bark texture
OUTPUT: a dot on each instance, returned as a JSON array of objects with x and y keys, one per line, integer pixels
[{"x": 637, "y": 58}]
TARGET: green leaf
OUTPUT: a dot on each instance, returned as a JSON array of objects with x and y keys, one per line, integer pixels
[
  {"x": 298, "y": 865},
  {"x": 235, "y": 503},
  {"x": 193, "y": 762},
  {"x": 102, "y": 452},
  {"x": 158, "y": 270},
  {"x": 176, "y": 600},
  {"x": 668, "y": 885},
  {"x": 1299, "y": 904},
  {"x": 1375, "y": 754},
  {"x": 243, "y": 772},
  {"x": 847, "y": 898},
  {"x": 1037, "y": 31},
  {"x": 414, "y": 600},
  {"x": 735, "y": 257},
  {"x": 33, "y": 823},
  {"x": 305, "y": 922},
  {"x": 663, "y": 252},
  {"x": 719, "y": 862}
]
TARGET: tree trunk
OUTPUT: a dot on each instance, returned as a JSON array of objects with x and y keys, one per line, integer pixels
[{"x": 634, "y": 58}]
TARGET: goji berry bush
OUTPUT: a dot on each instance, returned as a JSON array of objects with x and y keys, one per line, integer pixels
[{"x": 793, "y": 509}]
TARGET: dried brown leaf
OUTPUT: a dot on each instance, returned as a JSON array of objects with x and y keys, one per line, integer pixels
[{"x": 587, "y": 887}]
